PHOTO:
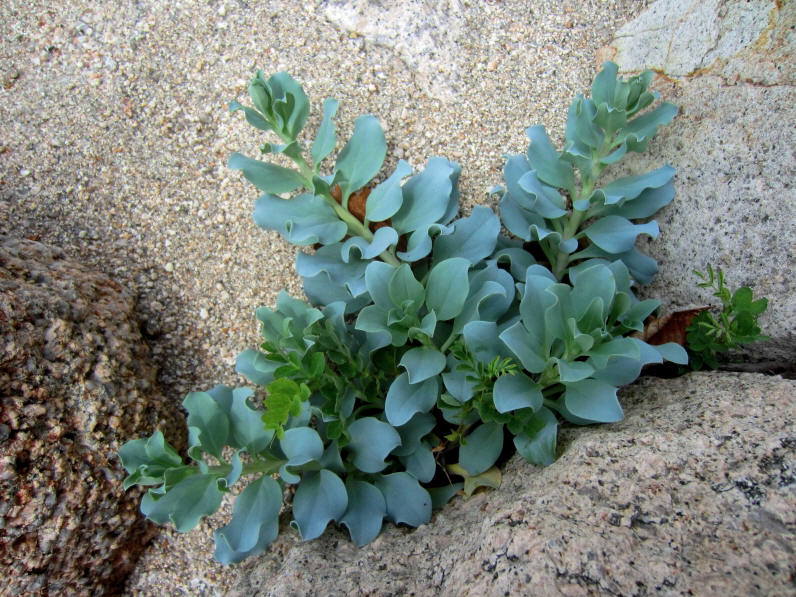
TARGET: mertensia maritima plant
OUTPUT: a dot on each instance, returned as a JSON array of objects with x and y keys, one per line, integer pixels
[{"x": 426, "y": 341}]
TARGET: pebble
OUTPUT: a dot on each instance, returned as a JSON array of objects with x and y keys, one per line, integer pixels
[{"x": 169, "y": 267}]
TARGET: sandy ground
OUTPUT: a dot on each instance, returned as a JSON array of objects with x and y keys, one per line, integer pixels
[{"x": 114, "y": 136}]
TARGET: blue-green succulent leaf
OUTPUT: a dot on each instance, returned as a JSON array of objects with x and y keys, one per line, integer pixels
[
  {"x": 528, "y": 349},
  {"x": 405, "y": 399},
  {"x": 320, "y": 498},
  {"x": 524, "y": 223},
  {"x": 620, "y": 371},
  {"x": 458, "y": 385},
  {"x": 426, "y": 196},
  {"x": 447, "y": 287},
  {"x": 246, "y": 427},
  {"x": 442, "y": 495},
  {"x": 634, "y": 317},
  {"x": 537, "y": 443},
  {"x": 593, "y": 282},
  {"x": 301, "y": 445},
  {"x": 569, "y": 371},
  {"x": 643, "y": 127},
  {"x": 512, "y": 392},
  {"x": 377, "y": 282},
  {"x": 591, "y": 400},
  {"x": 483, "y": 341},
  {"x": 413, "y": 431},
  {"x": 290, "y": 104},
  {"x": 267, "y": 177},
  {"x": 365, "y": 513},
  {"x": 320, "y": 290},
  {"x": 371, "y": 441},
  {"x": 253, "y": 117},
  {"x": 422, "y": 363},
  {"x": 543, "y": 158},
  {"x": 387, "y": 197},
  {"x": 332, "y": 459},
  {"x": 185, "y": 503},
  {"x": 624, "y": 192},
  {"x": 302, "y": 220},
  {"x": 604, "y": 83},
  {"x": 254, "y": 523},
  {"x": 481, "y": 448},
  {"x": 148, "y": 451},
  {"x": 147, "y": 459},
  {"x": 383, "y": 238},
  {"x": 325, "y": 139},
  {"x": 210, "y": 422},
  {"x": 329, "y": 259},
  {"x": 616, "y": 234},
  {"x": 536, "y": 301},
  {"x": 640, "y": 266},
  {"x": 261, "y": 95},
  {"x": 253, "y": 365},
  {"x": 403, "y": 287},
  {"x": 672, "y": 352},
  {"x": 407, "y": 502},
  {"x": 473, "y": 238},
  {"x": 543, "y": 199},
  {"x": 360, "y": 159},
  {"x": 519, "y": 260},
  {"x": 420, "y": 463},
  {"x": 584, "y": 112},
  {"x": 646, "y": 204},
  {"x": 427, "y": 326}
]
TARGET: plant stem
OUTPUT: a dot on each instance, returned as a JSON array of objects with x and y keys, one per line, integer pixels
[
  {"x": 447, "y": 344},
  {"x": 354, "y": 225},
  {"x": 267, "y": 467}
]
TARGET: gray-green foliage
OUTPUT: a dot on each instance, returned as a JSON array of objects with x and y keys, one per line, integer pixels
[
  {"x": 427, "y": 340},
  {"x": 549, "y": 195}
]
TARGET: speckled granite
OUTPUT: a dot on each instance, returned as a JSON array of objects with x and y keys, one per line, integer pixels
[
  {"x": 693, "y": 493},
  {"x": 729, "y": 66},
  {"x": 76, "y": 380}
]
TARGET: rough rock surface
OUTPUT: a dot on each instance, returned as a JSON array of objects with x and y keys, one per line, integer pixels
[
  {"x": 750, "y": 41},
  {"x": 693, "y": 493},
  {"x": 733, "y": 147},
  {"x": 76, "y": 380},
  {"x": 425, "y": 33}
]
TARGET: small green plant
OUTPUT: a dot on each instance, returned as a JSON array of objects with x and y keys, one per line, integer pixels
[
  {"x": 427, "y": 339},
  {"x": 734, "y": 325}
]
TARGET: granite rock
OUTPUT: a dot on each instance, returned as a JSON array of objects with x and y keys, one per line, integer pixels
[
  {"x": 424, "y": 33},
  {"x": 732, "y": 145},
  {"x": 693, "y": 493},
  {"x": 746, "y": 40},
  {"x": 76, "y": 380}
]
